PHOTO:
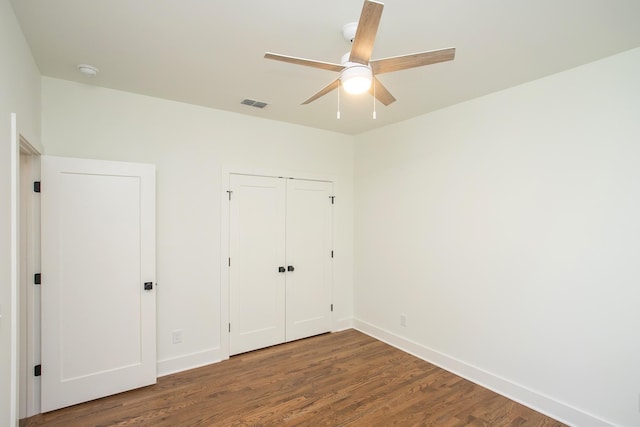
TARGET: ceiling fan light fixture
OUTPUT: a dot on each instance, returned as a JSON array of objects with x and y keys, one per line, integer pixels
[{"x": 356, "y": 78}]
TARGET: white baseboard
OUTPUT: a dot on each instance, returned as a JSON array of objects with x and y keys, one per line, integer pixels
[
  {"x": 342, "y": 324},
  {"x": 534, "y": 400},
  {"x": 189, "y": 361},
  {"x": 196, "y": 360}
]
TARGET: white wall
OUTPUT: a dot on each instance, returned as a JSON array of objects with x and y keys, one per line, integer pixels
[
  {"x": 507, "y": 230},
  {"x": 190, "y": 146},
  {"x": 20, "y": 94}
]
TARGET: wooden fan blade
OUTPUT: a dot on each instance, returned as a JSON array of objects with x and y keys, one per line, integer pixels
[
  {"x": 397, "y": 63},
  {"x": 366, "y": 32},
  {"x": 381, "y": 93},
  {"x": 325, "y": 90},
  {"x": 306, "y": 62}
]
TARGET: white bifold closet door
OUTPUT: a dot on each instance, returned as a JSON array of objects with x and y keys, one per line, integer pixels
[
  {"x": 280, "y": 260},
  {"x": 98, "y": 279}
]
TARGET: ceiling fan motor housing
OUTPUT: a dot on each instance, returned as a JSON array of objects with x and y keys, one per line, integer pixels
[{"x": 349, "y": 31}]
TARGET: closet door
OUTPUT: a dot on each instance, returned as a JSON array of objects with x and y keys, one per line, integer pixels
[
  {"x": 308, "y": 247},
  {"x": 257, "y": 250}
]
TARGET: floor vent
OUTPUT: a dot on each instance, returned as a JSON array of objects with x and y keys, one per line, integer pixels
[{"x": 252, "y": 103}]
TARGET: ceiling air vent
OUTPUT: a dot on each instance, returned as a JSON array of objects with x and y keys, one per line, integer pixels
[{"x": 252, "y": 103}]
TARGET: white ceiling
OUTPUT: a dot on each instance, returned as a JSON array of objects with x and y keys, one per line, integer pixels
[{"x": 210, "y": 52}]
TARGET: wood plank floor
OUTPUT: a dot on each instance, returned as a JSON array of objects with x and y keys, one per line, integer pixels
[{"x": 341, "y": 379}]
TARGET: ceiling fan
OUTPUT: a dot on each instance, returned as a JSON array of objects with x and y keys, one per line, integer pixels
[{"x": 357, "y": 70}]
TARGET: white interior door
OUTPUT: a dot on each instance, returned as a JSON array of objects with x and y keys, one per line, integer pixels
[
  {"x": 98, "y": 250},
  {"x": 256, "y": 286},
  {"x": 308, "y": 245}
]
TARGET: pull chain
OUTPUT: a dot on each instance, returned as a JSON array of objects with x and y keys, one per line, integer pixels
[
  {"x": 374, "y": 99},
  {"x": 338, "y": 114}
]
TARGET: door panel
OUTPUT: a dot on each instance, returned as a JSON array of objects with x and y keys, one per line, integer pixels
[
  {"x": 98, "y": 249},
  {"x": 308, "y": 245},
  {"x": 257, "y": 230}
]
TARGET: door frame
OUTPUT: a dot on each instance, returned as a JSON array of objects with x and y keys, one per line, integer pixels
[
  {"x": 226, "y": 172},
  {"x": 25, "y": 237},
  {"x": 29, "y": 295},
  {"x": 14, "y": 271}
]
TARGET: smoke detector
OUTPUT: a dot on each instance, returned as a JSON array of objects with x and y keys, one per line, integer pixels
[{"x": 88, "y": 70}]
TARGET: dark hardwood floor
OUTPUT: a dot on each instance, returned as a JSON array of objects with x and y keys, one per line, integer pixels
[{"x": 341, "y": 379}]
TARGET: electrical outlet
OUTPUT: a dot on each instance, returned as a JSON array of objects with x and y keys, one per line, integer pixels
[
  {"x": 403, "y": 320},
  {"x": 177, "y": 336}
]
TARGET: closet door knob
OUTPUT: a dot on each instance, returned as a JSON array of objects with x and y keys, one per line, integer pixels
[
  {"x": 290, "y": 268},
  {"x": 281, "y": 270}
]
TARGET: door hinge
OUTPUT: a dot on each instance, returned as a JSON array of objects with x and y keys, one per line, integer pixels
[
  {"x": 37, "y": 370},
  {"x": 229, "y": 192},
  {"x": 36, "y": 186},
  {"x": 37, "y": 279},
  {"x": 331, "y": 254},
  {"x": 229, "y": 327},
  {"x": 333, "y": 199},
  {"x": 331, "y": 307},
  {"x": 229, "y": 261}
]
